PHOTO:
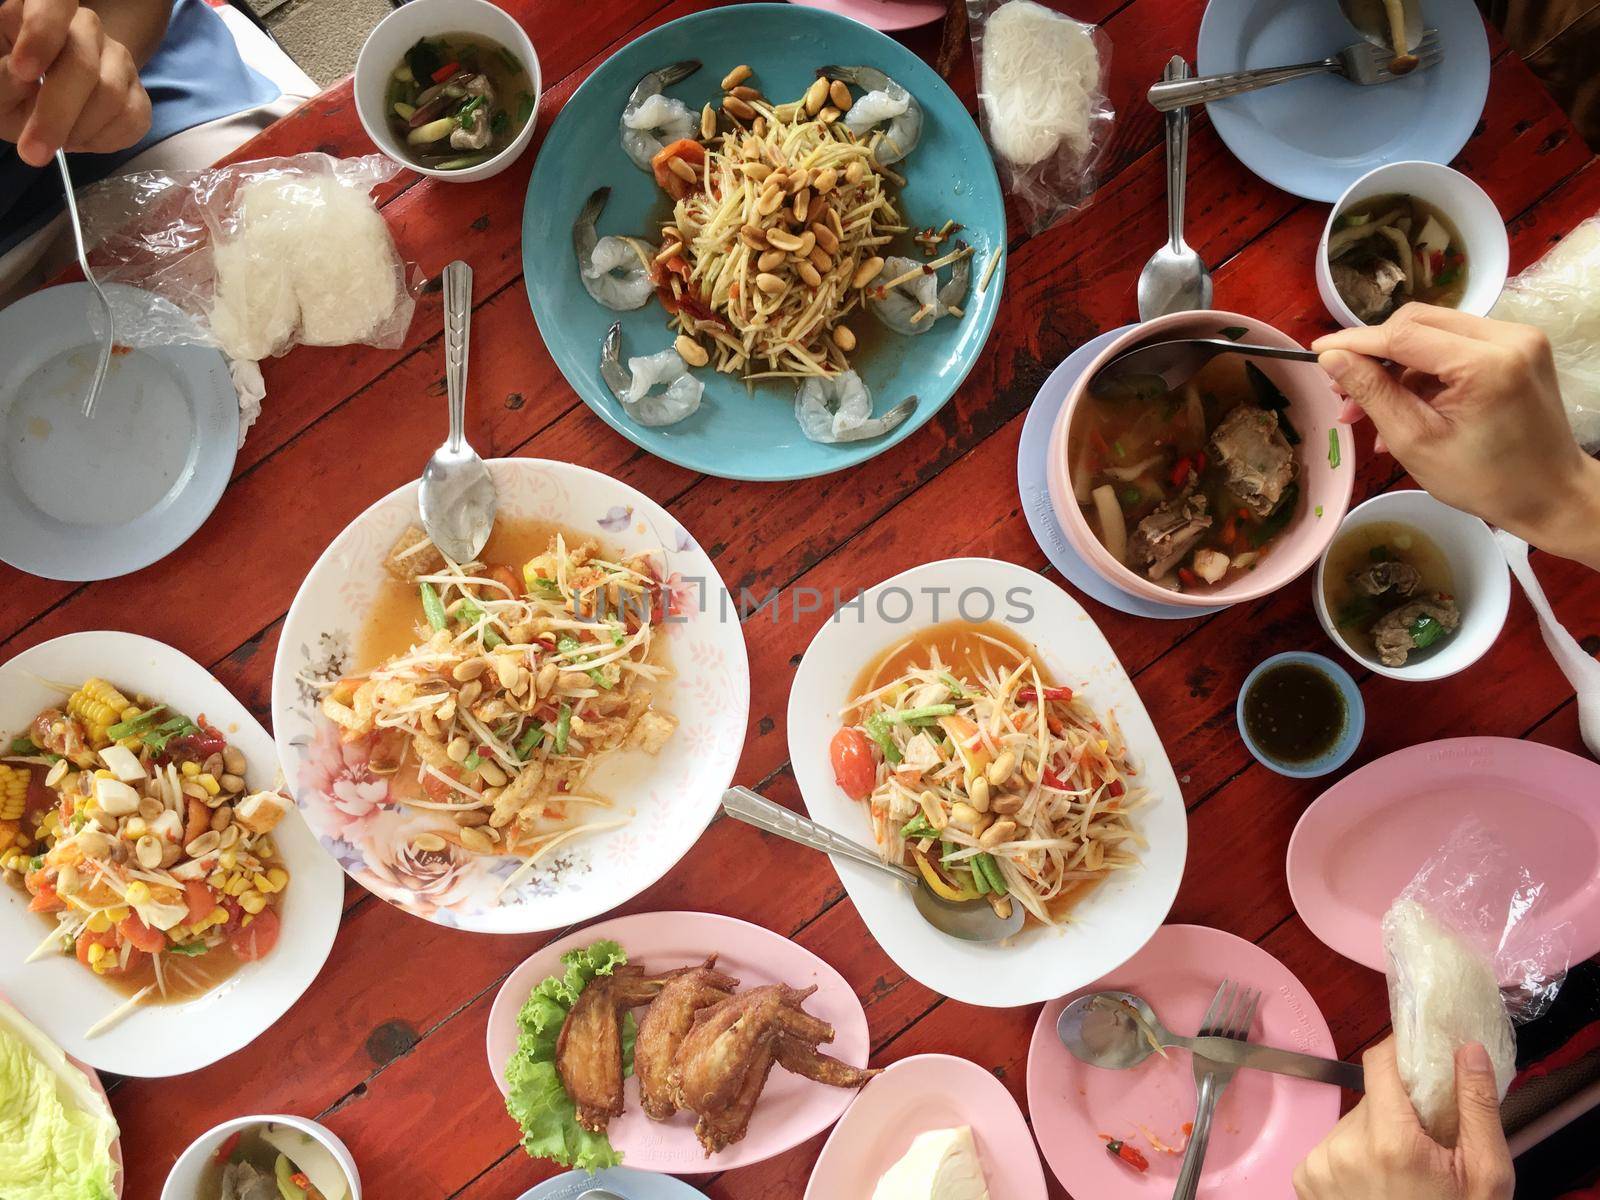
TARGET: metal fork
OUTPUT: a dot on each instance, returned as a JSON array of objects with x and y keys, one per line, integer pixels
[
  {"x": 1361, "y": 63},
  {"x": 1232, "y": 1011},
  {"x": 105, "y": 303}
]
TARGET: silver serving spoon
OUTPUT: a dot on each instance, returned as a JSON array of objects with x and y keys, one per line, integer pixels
[
  {"x": 457, "y": 498},
  {"x": 108, "y": 340},
  {"x": 1103, "y": 1030},
  {"x": 1158, "y": 367},
  {"x": 1175, "y": 279},
  {"x": 973, "y": 921}
]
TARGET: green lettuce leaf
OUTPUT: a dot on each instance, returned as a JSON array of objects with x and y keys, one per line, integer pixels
[{"x": 535, "y": 1098}]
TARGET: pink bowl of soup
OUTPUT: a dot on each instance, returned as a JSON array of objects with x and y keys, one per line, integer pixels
[{"x": 1222, "y": 490}]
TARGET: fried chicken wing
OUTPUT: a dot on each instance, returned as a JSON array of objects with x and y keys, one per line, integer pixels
[
  {"x": 801, "y": 1058},
  {"x": 589, "y": 1047},
  {"x": 663, "y": 1027},
  {"x": 720, "y": 1128}
]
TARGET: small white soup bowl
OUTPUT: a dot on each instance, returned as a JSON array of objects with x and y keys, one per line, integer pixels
[
  {"x": 183, "y": 1181},
  {"x": 387, "y": 44},
  {"x": 1478, "y": 574},
  {"x": 1474, "y": 215}
]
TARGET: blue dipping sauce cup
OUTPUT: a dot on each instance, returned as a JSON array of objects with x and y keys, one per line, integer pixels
[{"x": 1355, "y": 717}]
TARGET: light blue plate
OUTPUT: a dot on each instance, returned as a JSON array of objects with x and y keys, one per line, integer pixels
[
  {"x": 734, "y": 435},
  {"x": 1034, "y": 487},
  {"x": 99, "y": 498},
  {"x": 1315, "y": 137},
  {"x": 630, "y": 1185}
]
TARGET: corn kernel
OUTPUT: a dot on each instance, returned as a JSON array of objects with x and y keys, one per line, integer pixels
[
  {"x": 190, "y": 769},
  {"x": 118, "y": 913},
  {"x": 136, "y": 828},
  {"x": 138, "y": 892},
  {"x": 130, "y": 712},
  {"x": 216, "y": 879},
  {"x": 265, "y": 849},
  {"x": 97, "y": 954},
  {"x": 103, "y": 773},
  {"x": 237, "y": 885},
  {"x": 219, "y": 916},
  {"x": 279, "y": 877},
  {"x": 98, "y": 922},
  {"x": 209, "y": 782},
  {"x": 261, "y": 883},
  {"x": 252, "y": 902},
  {"x": 229, "y": 859}
]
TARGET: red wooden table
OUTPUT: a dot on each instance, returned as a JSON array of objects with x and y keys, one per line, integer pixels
[{"x": 387, "y": 1045}]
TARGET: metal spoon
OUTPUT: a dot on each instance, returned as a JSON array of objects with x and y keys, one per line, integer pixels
[
  {"x": 109, "y": 340},
  {"x": 1102, "y": 1030},
  {"x": 599, "y": 1194},
  {"x": 972, "y": 921},
  {"x": 1158, "y": 367},
  {"x": 1370, "y": 18},
  {"x": 457, "y": 497},
  {"x": 1175, "y": 279}
]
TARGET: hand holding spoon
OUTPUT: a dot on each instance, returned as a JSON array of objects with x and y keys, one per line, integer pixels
[
  {"x": 1157, "y": 367},
  {"x": 972, "y": 921},
  {"x": 1117, "y": 1030},
  {"x": 457, "y": 497}
]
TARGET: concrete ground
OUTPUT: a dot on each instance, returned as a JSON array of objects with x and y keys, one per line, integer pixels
[{"x": 323, "y": 36}]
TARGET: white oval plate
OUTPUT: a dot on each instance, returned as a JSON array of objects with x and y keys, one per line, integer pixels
[
  {"x": 791, "y": 1109},
  {"x": 63, "y": 998},
  {"x": 914, "y": 1096},
  {"x": 97, "y": 498},
  {"x": 672, "y": 796},
  {"x": 1119, "y": 916}
]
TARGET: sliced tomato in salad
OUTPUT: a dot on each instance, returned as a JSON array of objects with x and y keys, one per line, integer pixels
[
  {"x": 141, "y": 936},
  {"x": 256, "y": 939},
  {"x": 690, "y": 152},
  {"x": 854, "y": 769}
]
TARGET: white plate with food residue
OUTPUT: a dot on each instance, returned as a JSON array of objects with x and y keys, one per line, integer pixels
[
  {"x": 58, "y": 993},
  {"x": 1114, "y": 920},
  {"x": 98, "y": 497}
]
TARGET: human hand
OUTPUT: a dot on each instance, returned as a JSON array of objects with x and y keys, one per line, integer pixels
[
  {"x": 91, "y": 98},
  {"x": 1475, "y": 416},
  {"x": 1379, "y": 1151}
]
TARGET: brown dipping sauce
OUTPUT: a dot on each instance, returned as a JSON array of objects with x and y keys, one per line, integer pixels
[{"x": 1294, "y": 713}]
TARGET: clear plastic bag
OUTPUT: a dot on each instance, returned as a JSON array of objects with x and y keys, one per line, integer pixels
[
  {"x": 252, "y": 258},
  {"x": 1042, "y": 85},
  {"x": 1560, "y": 294},
  {"x": 1464, "y": 964}
]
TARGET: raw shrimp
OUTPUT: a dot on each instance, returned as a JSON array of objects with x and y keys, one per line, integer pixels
[
  {"x": 632, "y": 387},
  {"x": 913, "y": 306},
  {"x": 614, "y": 270},
  {"x": 840, "y": 410},
  {"x": 651, "y": 120},
  {"x": 885, "y": 100}
]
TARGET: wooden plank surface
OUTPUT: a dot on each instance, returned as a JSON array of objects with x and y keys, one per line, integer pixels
[{"x": 386, "y": 1047}]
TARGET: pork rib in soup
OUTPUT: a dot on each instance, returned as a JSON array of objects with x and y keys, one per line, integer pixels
[
  {"x": 1391, "y": 249},
  {"x": 1188, "y": 487}
]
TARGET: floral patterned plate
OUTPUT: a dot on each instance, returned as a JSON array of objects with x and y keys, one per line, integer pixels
[{"x": 669, "y": 797}]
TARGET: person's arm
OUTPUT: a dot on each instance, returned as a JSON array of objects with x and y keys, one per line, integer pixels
[
  {"x": 88, "y": 57},
  {"x": 1475, "y": 416},
  {"x": 1379, "y": 1150}
]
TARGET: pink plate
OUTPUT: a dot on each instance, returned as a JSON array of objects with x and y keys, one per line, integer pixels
[
  {"x": 886, "y": 15},
  {"x": 791, "y": 1110},
  {"x": 916, "y": 1094},
  {"x": 1265, "y": 1124},
  {"x": 1363, "y": 839}
]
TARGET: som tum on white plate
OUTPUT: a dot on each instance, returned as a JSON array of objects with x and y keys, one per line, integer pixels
[
  {"x": 165, "y": 903},
  {"x": 521, "y": 742}
]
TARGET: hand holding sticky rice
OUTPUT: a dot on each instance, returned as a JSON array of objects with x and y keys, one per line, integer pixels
[{"x": 1379, "y": 1150}]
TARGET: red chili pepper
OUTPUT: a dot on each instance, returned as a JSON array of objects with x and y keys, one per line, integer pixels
[
  {"x": 1031, "y": 695},
  {"x": 1188, "y": 576},
  {"x": 1120, "y": 1149},
  {"x": 1199, "y": 460},
  {"x": 1180, "y": 471},
  {"x": 1052, "y": 780},
  {"x": 229, "y": 1145},
  {"x": 446, "y": 71},
  {"x": 1116, "y": 789}
]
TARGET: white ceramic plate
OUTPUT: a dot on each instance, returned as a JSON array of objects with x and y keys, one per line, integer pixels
[
  {"x": 97, "y": 498},
  {"x": 791, "y": 1109},
  {"x": 671, "y": 796},
  {"x": 1118, "y": 917},
  {"x": 63, "y": 998}
]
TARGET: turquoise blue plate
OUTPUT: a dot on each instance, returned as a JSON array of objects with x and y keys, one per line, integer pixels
[{"x": 737, "y": 435}]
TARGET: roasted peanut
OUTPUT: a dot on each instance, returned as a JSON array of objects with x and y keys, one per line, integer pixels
[
  {"x": 855, "y": 172},
  {"x": 782, "y": 239},
  {"x": 840, "y": 95},
  {"x": 843, "y": 338},
  {"x": 867, "y": 272},
  {"x": 808, "y": 274},
  {"x": 826, "y": 238},
  {"x": 1001, "y": 768},
  {"x": 470, "y": 669},
  {"x": 826, "y": 180},
  {"x": 682, "y": 170},
  {"x": 736, "y": 76},
  {"x": 1006, "y": 803},
  {"x": 978, "y": 793},
  {"x": 816, "y": 96},
  {"x": 771, "y": 260},
  {"x": 691, "y": 351},
  {"x": 1001, "y": 831},
  {"x": 744, "y": 93},
  {"x": 736, "y": 107},
  {"x": 708, "y": 122},
  {"x": 820, "y": 259},
  {"x": 769, "y": 283},
  {"x": 802, "y": 203},
  {"x": 771, "y": 197}
]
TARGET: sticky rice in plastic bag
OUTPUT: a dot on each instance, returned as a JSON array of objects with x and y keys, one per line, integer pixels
[{"x": 1464, "y": 962}]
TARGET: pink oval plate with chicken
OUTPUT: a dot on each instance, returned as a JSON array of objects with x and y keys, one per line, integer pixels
[
  {"x": 1265, "y": 1124},
  {"x": 790, "y": 1108},
  {"x": 923, "y": 1094}
]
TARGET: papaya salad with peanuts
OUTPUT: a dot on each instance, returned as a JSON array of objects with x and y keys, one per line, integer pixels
[
  {"x": 515, "y": 685},
  {"x": 986, "y": 778},
  {"x": 131, "y": 827}
]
